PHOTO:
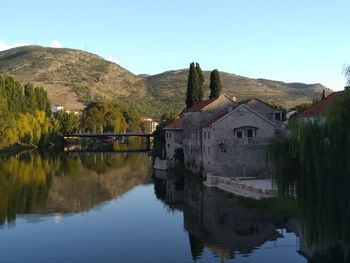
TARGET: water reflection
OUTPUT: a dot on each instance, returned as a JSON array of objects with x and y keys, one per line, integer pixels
[
  {"x": 216, "y": 222},
  {"x": 107, "y": 144},
  {"x": 314, "y": 169},
  {"x": 66, "y": 183}
]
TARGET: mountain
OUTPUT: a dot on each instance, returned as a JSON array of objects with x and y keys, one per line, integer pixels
[{"x": 73, "y": 78}]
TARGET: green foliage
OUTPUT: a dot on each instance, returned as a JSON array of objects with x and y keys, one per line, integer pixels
[
  {"x": 23, "y": 113},
  {"x": 110, "y": 117},
  {"x": 193, "y": 87},
  {"x": 312, "y": 164},
  {"x": 159, "y": 134},
  {"x": 346, "y": 73},
  {"x": 83, "y": 93},
  {"x": 302, "y": 107},
  {"x": 67, "y": 122},
  {"x": 201, "y": 82},
  {"x": 215, "y": 84}
]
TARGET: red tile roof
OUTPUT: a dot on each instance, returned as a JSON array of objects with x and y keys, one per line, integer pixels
[
  {"x": 320, "y": 107},
  {"x": 216, "y": 118},
  {"x": 202, "y": 104},
  {"x": 175, "y": 125}
]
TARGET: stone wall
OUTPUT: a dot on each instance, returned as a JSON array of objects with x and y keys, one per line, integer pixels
[
  {"x": 242, "y": 160},
  {"x": 173, "y": 140},
  {"x": 226, "y": 155},
  {"x": 192, "y": 131}
]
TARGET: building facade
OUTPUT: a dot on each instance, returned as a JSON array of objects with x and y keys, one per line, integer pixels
[
  {"x": 193, "y": 119},
  {"x": 235, "y": 143},
  {"x": 220, "y": 136},
  {"x": 173, "y": 137}
]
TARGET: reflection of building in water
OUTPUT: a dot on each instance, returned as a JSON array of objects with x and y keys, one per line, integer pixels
[
  {"x": 224, "y": 226},
  {"x": 169, "y": 189},
  {"x": 215, "y": 221}
]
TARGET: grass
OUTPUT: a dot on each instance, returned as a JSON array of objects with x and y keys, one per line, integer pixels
[{"x": 15, "y": 149}]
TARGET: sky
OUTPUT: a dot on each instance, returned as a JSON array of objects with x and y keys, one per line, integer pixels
[{"x": 289, "y": 40}]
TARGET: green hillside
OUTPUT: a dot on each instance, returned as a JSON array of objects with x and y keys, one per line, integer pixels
[{"x": 73, "y": 78}]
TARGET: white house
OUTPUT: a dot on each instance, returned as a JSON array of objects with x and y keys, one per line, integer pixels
[{"x": 56, "y": 108}]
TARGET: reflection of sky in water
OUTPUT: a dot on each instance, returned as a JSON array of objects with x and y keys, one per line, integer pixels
[{"x": 135, "y": 228}]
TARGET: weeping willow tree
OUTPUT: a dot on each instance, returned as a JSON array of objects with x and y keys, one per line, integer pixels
[{"x": 312, "y": 165}]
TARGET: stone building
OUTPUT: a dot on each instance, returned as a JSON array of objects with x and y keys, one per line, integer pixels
[
  {"x": 173, "y": 137},
  {"x": 223, "y": 137},
  {"x": 235, "y": 142},
  {"x": 264, "y": 109},
  {"x": 192, "y": 120},
  {"x": 150, "y": 124}
]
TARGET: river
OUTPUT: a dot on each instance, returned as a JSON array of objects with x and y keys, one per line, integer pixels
[{"x": 112, "y": 207}]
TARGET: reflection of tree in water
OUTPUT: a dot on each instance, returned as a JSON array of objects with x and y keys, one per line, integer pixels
[
  {"x": 109, "y": 177},
  {"x": 312, "y": 165},
  {"x": 130, "y": 143},
  {"x": 24, "y": 184},
  {"x": 66, "y": 183},
  {"x": 216, "y": 222}
]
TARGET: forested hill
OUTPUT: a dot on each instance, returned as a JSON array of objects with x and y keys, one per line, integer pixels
[{"x": 73, "y": 78}]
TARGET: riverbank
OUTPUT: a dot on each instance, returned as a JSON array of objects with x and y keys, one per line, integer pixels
[
  {"x": 16, "y": 149},
  {"x": 255, "y": 188}
]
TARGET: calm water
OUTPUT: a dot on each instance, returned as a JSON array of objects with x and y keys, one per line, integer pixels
[{"x": 99, "y": 207}]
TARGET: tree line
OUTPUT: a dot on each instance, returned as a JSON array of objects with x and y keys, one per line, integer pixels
[
  {"x": 26, "y": 117},
  {"x": 195, "y": 85},
  {"x": 24, "y": 113}
]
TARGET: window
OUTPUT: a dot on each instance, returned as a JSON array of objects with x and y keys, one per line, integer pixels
[
  {"x": 166, "y": 134},
  {"x": 169, "y": 134},
  {"x": 208, "y": 149},
  {"x": 208, "y": 134},
  {"x": 168, "y": 145},
  {"x": 239, "y": 134},
  {"x": 249, "y": 133}
]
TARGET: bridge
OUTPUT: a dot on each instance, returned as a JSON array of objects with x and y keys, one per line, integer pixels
[{"x": 109, "y": 134}]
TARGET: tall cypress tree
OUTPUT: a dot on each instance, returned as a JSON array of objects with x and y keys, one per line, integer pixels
[
  {"x": 323, "y": 95},
  {"x": 215, "y": 84},
  {"x": 193, "y": 91},
  {"x": 201, "y": 82}
]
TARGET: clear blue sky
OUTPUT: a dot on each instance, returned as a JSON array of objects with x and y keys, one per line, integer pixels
[{"x": 291, "y": 40}]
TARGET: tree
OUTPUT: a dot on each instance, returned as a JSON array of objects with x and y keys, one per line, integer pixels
[
  {"x": 193, "y": 87},
  {"x": 323, "y": 95},
  {"x": 67, "y": 122},
  {"x": 201, "y": 82},
  {"x": 215, "y": 84}
]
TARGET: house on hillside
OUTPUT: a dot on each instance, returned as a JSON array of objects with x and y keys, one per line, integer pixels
[
  {"x": 173, "y": 137},
  {"x": 235, "y": 142},
  {"x": 56, "y": 108},
  {"x": 192, "y": 121},
  {"x": 150, "y": 124}
]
